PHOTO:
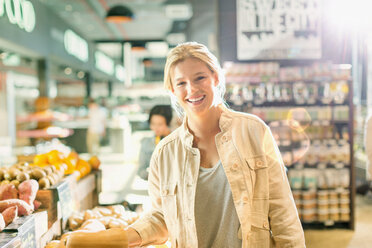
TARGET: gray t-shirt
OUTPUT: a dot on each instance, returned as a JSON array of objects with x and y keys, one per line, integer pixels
[{"x": 217, "y": 222}]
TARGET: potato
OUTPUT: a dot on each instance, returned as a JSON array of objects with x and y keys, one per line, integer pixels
[
  {"x": 44, "y": 183},
  {"x": 54, "y": 169},
  {"x": 4, "y": 182},
  {"x": 13, "y": 172},
  {"x": 51, "y": 180},
  {"x": 7, "y": 176},
  {"x": 2, "y": 172},
  {"x": 55, "y": 177},
  {"x": 53, "y": 244},
  {"x": 38, "y": 173},
  {"x": 48, "y": 170},
  {"x": 22, "y": 176},
  {"x": 15, "y": 183}
]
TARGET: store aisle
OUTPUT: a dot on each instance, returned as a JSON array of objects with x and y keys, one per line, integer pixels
[{"x": 340, "y": 238}]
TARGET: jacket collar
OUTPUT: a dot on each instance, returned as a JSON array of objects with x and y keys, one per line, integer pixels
[{"x": 224, "y": 123}]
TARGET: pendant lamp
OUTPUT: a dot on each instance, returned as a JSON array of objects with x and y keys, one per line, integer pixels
[{"x": 119, "y": 13}]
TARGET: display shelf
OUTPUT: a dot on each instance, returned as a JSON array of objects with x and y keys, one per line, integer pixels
[
  {"x": 45, "y": 116},
  {"x": 310, "y": 112},
  {"x": 50, "y": 132}
]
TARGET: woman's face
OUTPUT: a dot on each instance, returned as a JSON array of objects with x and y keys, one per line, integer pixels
[
  {"x": 194, "y": 85},
  {"x": 158, "y": 124}
]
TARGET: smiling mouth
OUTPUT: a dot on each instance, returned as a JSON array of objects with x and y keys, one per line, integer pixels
[{"x": 195, "y": 100}]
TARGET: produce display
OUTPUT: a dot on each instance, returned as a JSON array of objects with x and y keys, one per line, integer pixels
[
  {"x": 17, "y": 201},
  {"x": 45, "y": 176},
  {"x": 71, "y": 163}
]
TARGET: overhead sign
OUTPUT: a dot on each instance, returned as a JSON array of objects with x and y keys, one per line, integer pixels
[
  {"x": 20, "y": 13},
  {"x": 76, "y": 46},
  {"x": 120, "y": 72},
  {"x": 278, "y": 29},
  {"x": 104, "y": 63}
]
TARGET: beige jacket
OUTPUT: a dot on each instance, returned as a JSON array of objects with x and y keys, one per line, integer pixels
[{"x": 254, "y": 170}]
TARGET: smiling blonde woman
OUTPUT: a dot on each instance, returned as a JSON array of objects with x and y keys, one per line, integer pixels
[{"x": 218, "y": 180}]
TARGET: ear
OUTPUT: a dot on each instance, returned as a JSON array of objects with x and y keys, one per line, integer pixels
[{"x": 216, "y": 81}]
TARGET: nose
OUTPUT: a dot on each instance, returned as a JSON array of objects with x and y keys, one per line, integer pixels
[{"x": 191, "y": 88}]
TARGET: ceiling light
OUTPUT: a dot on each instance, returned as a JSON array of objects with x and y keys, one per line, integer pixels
[
  {"x": 119, "y": 13},
  {"x": 68, "y": 70},
  {"x": 138, "y": 46},
  {"x": 80, "y": 74},
  {"x": 3, "y": 55},
  {"x": 147, "y": 62}
]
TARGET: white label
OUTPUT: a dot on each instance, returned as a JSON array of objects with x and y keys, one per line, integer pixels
[
  {"x": 104, "y": 63},
  {"x": 76, "y": 46}
]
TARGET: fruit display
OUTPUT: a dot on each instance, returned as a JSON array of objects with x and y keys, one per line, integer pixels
[
  {"x": 70, "y": 163},
  {"x": 17, "y": 201},
  {"x": 97, "y": 227}
]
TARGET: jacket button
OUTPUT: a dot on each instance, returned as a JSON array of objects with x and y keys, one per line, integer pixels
[
  {"x": 165, "y": 192},
  {"x": 245, "y": 199},
  {"x": 224, "y": 138},
  {"x": 266, "y": 224},
  {"x": 259, "y": 163},
  {"x": 234, "y": 167}
]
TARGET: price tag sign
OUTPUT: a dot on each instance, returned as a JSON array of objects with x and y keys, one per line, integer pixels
[
  {"x": 66, "y": 200},
  {"x": 24, "y": 228},
  {"x": 28, "y": 237},
  {"x": 9, "y": 240}
]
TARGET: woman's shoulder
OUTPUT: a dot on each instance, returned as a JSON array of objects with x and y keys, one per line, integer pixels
[{"x": 246, "y": 118}]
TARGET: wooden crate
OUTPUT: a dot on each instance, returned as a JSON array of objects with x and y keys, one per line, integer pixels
[
  {"x": 49, "y": 202},
  {"x": 84, "y": 194}
]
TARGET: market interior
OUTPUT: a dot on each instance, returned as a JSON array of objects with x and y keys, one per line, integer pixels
[{"x": 79, "y": 79}]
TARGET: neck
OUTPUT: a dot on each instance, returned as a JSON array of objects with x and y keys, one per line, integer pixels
[{"x": 205, "y": 125}]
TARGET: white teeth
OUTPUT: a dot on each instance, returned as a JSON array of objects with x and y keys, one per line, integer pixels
[{"x": 196, "y": 99}]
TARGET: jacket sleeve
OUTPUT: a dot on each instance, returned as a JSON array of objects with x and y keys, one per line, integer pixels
[
  {"x": 151, "y": 227},
  {"x": 284, "y": 221}
]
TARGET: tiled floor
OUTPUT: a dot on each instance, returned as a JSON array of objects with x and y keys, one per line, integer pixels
[{"x": 121, "y": 183}]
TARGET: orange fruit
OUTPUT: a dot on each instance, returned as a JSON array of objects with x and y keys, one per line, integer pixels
[
  {"x": 70, "y": 166},
  {"x": 94, "y": 162},
  {"x": 41, "y": 159},
  {"x": 54, "y": 156},
  {"x": 84, "y": 167},
  {"x": 73, "y": 155}
]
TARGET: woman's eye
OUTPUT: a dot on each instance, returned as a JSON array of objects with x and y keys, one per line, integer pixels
[
  {"x": 200, "y": 78},
  {"x": 180, "y": 83}
]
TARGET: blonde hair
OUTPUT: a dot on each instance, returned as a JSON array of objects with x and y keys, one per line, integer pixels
[{"x": 198, "y": 51}]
